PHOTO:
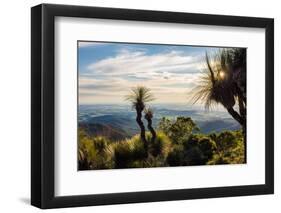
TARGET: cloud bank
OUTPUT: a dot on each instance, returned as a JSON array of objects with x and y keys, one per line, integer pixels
[{"x": 171, "y": 75}]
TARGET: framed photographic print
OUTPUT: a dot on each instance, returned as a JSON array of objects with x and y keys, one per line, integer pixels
[{"x": 140, "y": 106}]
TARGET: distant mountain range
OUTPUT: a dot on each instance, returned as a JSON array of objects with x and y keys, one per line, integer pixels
[
  {"x": 108, "y": 131},
  {"x": 117, "y": 122}
]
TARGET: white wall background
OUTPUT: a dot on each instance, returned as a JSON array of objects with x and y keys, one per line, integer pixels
[{"x": 15, "y": 105}]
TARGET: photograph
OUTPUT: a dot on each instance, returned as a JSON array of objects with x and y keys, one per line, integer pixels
[
  {"x": 139, "y": 105},
  {"x": 160, "y": 105}
]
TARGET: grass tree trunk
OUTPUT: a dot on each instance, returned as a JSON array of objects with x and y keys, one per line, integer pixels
[
  {"x": 152, "y": 131},
  {"x": 142, "y": 128},
  {"x": 242, "y": 110},
  {"x": 235, "y": 115},
  {"x": 242, "y": 121}
]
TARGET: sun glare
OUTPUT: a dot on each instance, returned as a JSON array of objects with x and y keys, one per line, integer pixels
[{"x": 222, "y": 74}]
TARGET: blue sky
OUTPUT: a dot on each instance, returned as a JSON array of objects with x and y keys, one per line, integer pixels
[{"x": 107, "y": 71}]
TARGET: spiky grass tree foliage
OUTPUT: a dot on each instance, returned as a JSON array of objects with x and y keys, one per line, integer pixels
[
  {"x": 127, "y": 152},
  {"x": 148, "y": 116},
  {"x": 223, "y": 81},
  {"x": 161, "y": 144},
  {"x": 131, "y": 153},
  {"x": 139, "y": 97},
  {"x": 219, "y": 81},
  {"x": 93, "y": 152}
]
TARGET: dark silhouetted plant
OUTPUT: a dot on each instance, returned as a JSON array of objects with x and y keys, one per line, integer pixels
[
  {"x": 148, "y": 116},
  {"x": 139, "y": 96},
  {"x": 224, "y": 82}
]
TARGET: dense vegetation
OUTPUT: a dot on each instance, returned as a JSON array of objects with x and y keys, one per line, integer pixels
[{"x": 177, "y": 143}]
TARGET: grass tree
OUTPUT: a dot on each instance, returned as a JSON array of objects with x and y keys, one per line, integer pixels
[
  {"x": 224, "y": 82},
  {"x": 148, "y": 116},
  {"x": 139, "y": 96}
]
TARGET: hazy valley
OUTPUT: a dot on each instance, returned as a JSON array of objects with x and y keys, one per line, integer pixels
[{"x": 117, "y": 122}]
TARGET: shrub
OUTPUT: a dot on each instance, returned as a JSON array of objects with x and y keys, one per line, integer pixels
[
  {"x": 203, "y": 143},
  {"x": 128, "y": 151},
  {"x": 93, "y": 152},
  {"x": 122, "y": 155},
  {"x": 178, "y": 130},
  {"x": 230, "y": 147},
  {"x": 137, "y": 147},
  {"x": 197, "y": 150},
  {"x": 177, "y": 156},
  {"x": 103, "y": 155},
  {"x": 161, "y": 145},
  {"x": 131, "y": 152}
]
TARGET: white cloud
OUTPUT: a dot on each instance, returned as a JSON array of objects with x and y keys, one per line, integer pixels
[
  {"x": 82, "y": 44},
  {"x": 128, "y": 62},
  {"x": 169, "y": 75}
]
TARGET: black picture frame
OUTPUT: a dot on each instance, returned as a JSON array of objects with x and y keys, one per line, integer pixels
[{"x": 43, "y": 110}]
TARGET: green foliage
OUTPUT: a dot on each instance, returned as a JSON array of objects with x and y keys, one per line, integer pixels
[
  {"x": 131, "y": 152},
  {"x": 178, "y": 130},
  {"x": 174, "y": 145},
  {"x": 128, "y": 151},
  {"x": 177, "y": 156},
  {"x": 93, "y": 153},
  {"x": 161, "y": 145},
  {"x": 230, "y": 147},
  {"x": 197, "y": 150},
  {"x": 122, "y": 155},
  {"x": 164, "y": 125},
  {"x": 201, "y": 147}
]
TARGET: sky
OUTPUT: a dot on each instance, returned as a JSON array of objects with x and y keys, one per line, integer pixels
[{"x": 107, "y": 71}]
